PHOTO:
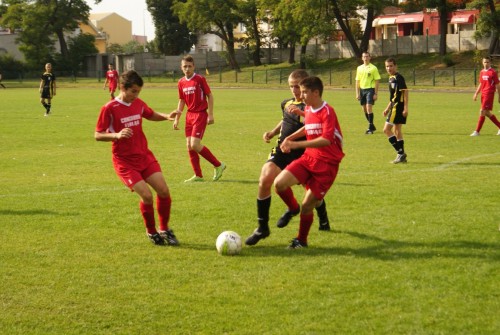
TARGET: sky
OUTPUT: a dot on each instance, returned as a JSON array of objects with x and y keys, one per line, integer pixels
[{"x": 133, "y": 10}]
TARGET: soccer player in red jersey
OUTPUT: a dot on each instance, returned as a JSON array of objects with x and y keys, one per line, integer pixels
[
  {"x": 111, "y": 80},
  {"x": 317, "y": 168},
  {"x": 488, "y": 84},
  {"x": 120, "y": 121},
  {"x": 195, "y": 93}
]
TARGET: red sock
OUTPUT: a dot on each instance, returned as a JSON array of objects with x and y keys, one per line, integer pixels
[
  {"x": 163, "y": 206},
  {"x": 207, "y": 154},
  {"x": 289, "y": 199},
  {"x": 195, "y": 162},
  {"x": 480, "y": 123},
  {"x": 494, "y": 119},
  {"x": 148, "y": 214},
  {"x": 306, "y": 221}
]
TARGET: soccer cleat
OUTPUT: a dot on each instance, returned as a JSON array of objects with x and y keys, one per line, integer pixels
[
  {"x": 400, "y": 158},
  {"x": 156, "y": 239},
  {"x": 476, "y": 133},
  {"x": 169, "y": 237},
  {"x": 257, "y": 235},
  {"x": 297, "y": 244},
  {"x": 324, "y": 225},
  {"x": 218, "y": 171},
  {"x": 372, "y": 127},
  {"x": 369, "y": 132},
  {"x": 286, "y": 217},
  {"x": 498, "y": 133},
  {"x": 194, "y": 179}
]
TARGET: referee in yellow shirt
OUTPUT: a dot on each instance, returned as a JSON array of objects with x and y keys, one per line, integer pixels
[{"x": 367, "y": 81}]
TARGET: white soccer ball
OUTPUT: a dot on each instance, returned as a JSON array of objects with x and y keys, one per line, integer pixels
[{"x": 228, "y": 243}]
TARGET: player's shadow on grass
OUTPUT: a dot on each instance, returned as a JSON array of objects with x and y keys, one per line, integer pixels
[{"x": 386, "y": 249}]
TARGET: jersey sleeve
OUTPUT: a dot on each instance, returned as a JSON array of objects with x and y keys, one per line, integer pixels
[
  {"x": 147, "y": 112},
  {"x": 104, "y": 120},
  {"x": 204, "y": 86}
]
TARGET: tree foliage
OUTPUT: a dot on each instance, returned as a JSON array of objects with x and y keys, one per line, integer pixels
[
  {"x": 489, "y": 22},
  {"x": 42, "y": 22},
  {"x": 218, "y": 17},
  {"x": 172, "y": 37}
]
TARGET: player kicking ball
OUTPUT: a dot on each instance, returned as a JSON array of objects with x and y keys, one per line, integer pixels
[
  {"x": 317, "y": 168},
  {"x": 120, "y": 122}
]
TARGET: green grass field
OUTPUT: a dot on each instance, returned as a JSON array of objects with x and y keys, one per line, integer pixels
[{"x": 415, "y": 248}]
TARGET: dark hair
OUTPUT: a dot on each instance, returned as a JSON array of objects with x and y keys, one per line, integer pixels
[
  {"x": 487, "y": 57},
  {"x": 130, "y": 78},
  {"x": 312, "y": 83},
  {"x": 391, "y": 60},
  {"x": 188, "y": 58},
  {"x": 299, "y": 74}
]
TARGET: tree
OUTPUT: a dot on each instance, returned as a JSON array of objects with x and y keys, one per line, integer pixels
[
  {"x": 488, "y": 23},
  {"x": 216, "y": 17},
  {"x": 41, "y": 20},
  {"x": 172, "y": 37},
  {"x": 251, "y": 17},
  {"x": 444, "y": 8},
  {"x": 347, "y": 10}
]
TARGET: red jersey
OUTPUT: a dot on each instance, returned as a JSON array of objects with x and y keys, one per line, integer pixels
[
  {"x": 115, "y": 116},
  {"x": 112, "y": 77},
  {"x": 194, "y": 92},
  {"x": 488, "y": 80},
  {"x": 323, "y": 122}
]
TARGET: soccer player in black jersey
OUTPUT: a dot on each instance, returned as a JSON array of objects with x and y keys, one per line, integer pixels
[
  {"x": 396, "y": 110},
  {"x": 47, "y": 88},
  {"x": 291, "y": 121}
]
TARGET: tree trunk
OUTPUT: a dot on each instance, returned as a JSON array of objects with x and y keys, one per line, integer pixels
[
  {"x": 303, "y": 49},
  {"x": 443, "y": 25},
  {"x": 365, "y": 40},
  {"x": 62, "y": 43},
  {"x": 347, "y": 30},
  {"x": 256, "y": 53},
  {"x": 291, "y": 55}
]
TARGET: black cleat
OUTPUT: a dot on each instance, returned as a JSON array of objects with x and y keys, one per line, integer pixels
[
  {"x": 156, "y": 239},
  {"x": 169, "y": 237},
  {"x": 297, "y": 244},
  {"x": 324, "y": 225},
  {"x": 286, "y": 217},
  {"x": 257, "y": 235}
]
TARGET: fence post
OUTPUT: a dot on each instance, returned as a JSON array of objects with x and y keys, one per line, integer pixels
[
  {"x": 235, "y": 76},
  {"x": 252, "y": 76},
  {"x": 266, "y": 76},
  {"x": 414, "y": 77},
  {"x": 453, "y": 76},
  {"x": 433, "y": 77}
]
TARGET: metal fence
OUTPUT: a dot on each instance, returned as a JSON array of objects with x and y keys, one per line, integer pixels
[{"x": 451, "y": 77}]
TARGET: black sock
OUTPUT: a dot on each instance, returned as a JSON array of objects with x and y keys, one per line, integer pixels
[
  {"x": 263, "y": 206},
  {"x": 394, "y": 142},
  {"x": 370, "y": 119},
  {"x": 48, "y": 107},
  {"x": 321, "y": 210},
  {"x": 401, "y": 147}
]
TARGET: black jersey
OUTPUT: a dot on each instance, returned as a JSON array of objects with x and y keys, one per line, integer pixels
[
  {"x": 291, "y": 122},
  {"x": 48, "y": 82},
  {"x": 397, "y": 85}
]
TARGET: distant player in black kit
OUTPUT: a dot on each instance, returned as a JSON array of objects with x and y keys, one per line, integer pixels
[
  {"x": 397, "y": 110},
  {"x": 47, "y": 88},
  {"x": 293, "y": 117}
]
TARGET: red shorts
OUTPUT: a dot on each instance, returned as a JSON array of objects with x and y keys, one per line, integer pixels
[
  {"x": 112, "y": 87},
  {"x": 131, "y": 175},
  {"x": 487, "y": 101},
  {"x": 318, "y": 176},
  {"x": 196, "y": 123}
]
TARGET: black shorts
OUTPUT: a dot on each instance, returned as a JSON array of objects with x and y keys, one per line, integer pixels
[
  {"x": 46, "y": 93},
  {"x": 281, "y": 159},
  {"x": 395, "y": 115},
  {"x": 366, "y": 96}
]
